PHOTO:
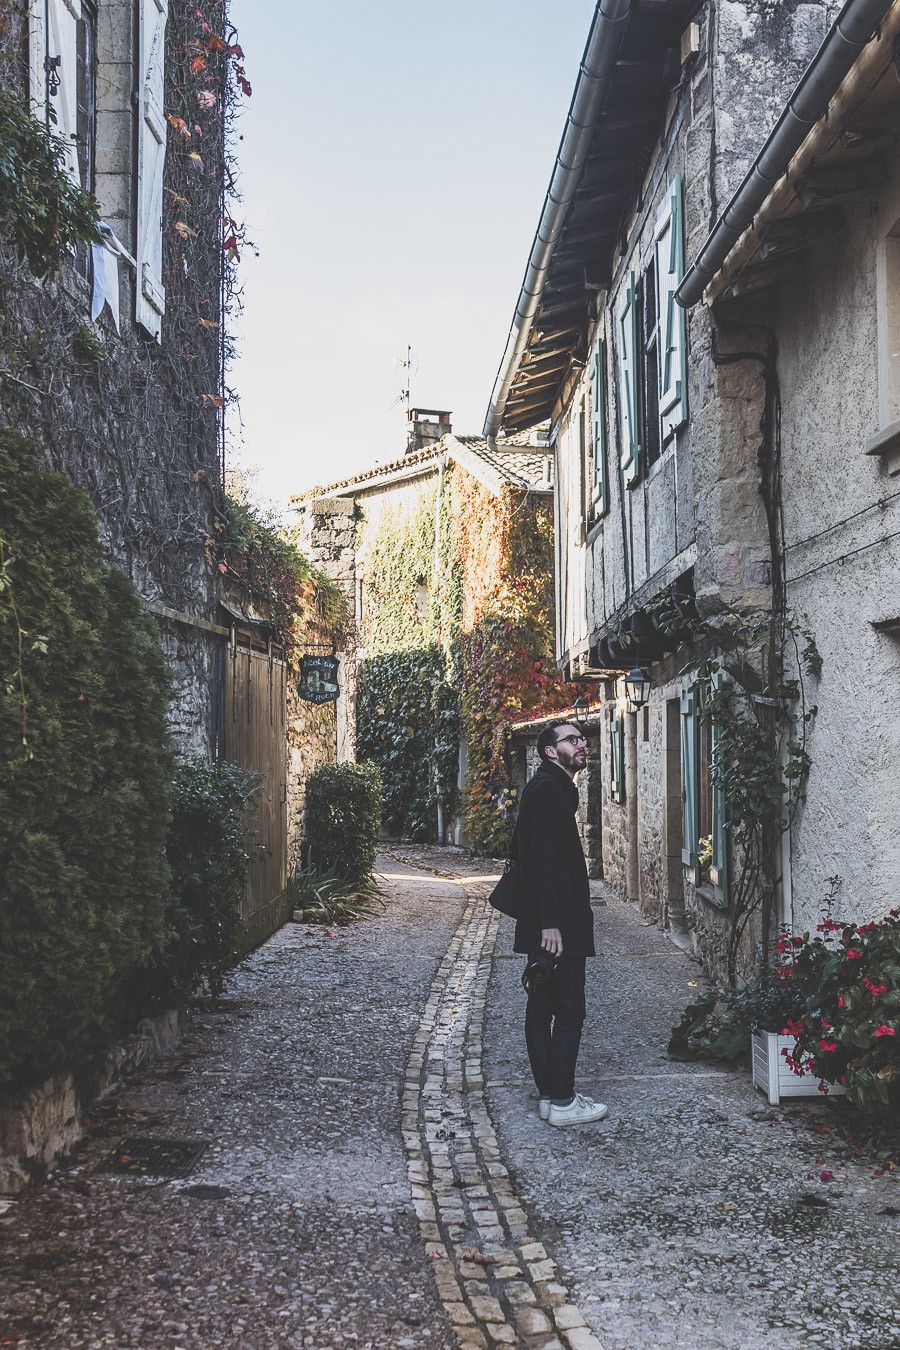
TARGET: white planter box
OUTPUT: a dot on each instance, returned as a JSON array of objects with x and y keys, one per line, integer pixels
[{"x": 771, "y": 1073}]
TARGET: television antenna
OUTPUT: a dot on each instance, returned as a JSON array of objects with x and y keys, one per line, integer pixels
[{"x": 408, "y": 363}]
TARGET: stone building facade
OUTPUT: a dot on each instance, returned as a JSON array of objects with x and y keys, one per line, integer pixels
[
  {"x": 465, "y": 554},
  {"x": 126, "y": 402},
  {"x": 699, "y": 449}
]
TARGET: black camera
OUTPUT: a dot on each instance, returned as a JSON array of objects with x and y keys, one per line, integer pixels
[{"x": 538, "y": 970}]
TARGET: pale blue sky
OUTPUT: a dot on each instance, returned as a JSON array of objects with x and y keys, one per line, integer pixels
[{"x": 394, "y": 163}]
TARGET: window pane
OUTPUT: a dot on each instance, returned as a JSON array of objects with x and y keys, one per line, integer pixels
[{"x": 86, "y": 94}]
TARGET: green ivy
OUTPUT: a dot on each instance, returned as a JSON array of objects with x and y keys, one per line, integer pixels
[
  {"x": 407, "y": 706},
  {"x": 282, "y": 584},
  {"x": 44, "y": 214},
  {"x": 443, "y": 665}
]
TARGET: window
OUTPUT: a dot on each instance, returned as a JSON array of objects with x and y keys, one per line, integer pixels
[
  {"x": 648, "y": 371},
  {"x": 86, "y": 93},
  {"x": 600, "y": 483},
  {"x": 703, "y": 800},
  {"x": 626, "y": 336},
  {"x": 617, "y": 753}
]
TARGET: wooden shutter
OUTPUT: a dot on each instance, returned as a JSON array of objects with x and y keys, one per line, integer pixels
[
  {"x": 149, "y": 293},
  {"x": 719, "y": 868},
  {"x": 617, "y": 754},
  {"x": 669, "y": 238},
  {"x": 690, "y": 781},
  {"x": 56, "y": 42},
  {"x": 630, "y": 456},
  {"x": 600, "y": 491}
]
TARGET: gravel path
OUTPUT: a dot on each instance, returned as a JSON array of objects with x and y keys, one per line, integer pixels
[
  {"x": 298, "y": 1089},
  {"x": 377, "y": 1175},
  {"x": 680, "y": 1221}
]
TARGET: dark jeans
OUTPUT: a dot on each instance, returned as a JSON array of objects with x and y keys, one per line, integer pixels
[{"x": 553, "y": 1021}]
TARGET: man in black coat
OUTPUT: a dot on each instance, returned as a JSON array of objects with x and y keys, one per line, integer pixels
[{"x": 555, "y": 917}]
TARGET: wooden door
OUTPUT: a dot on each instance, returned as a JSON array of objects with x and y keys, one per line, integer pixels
[{"x": 256, "y": 739}]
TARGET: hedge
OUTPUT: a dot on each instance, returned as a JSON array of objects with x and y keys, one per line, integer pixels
[
  {"x": 343, "y": 818},
  {"x": 85, "y": 787}
]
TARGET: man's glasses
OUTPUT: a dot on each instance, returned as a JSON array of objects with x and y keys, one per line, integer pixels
[{"x": 572, "y": 740}]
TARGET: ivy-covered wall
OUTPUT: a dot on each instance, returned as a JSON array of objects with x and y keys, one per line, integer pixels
[
  {"x": 457, "y": 634},
  {"x": 407, "y": 717}
]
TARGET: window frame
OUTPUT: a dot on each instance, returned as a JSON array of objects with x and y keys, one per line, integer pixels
[
  {"x": 617, "y": 754},
  {"x": 599, "y": 437}
]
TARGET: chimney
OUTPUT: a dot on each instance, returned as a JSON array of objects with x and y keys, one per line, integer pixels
[{"x": 424, "y": 427}]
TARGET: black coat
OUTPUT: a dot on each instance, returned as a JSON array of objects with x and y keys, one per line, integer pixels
[{"x": 555, "y": 891}]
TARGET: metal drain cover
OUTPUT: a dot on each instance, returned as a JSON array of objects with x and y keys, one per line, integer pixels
[{"x": 141, "y": 1155}]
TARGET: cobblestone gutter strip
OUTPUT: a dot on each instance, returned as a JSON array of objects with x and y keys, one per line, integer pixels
[{"x": 496, "y": 1282}]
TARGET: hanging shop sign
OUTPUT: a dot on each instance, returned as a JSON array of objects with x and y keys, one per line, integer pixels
[{"x": 318, "y": 679}]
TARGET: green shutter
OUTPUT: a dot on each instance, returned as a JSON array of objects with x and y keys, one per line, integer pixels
[
  {"x": 669, "y": 242},
  {"x": 690, "y": 783},
  {"x": 719, "y": 870},
  {"x": 598, "y": 405},
  {"x": 630, "y": 455},
  {"x": 617, "y": 743}
]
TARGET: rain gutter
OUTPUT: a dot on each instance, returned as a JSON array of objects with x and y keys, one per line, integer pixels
[
  {"x": 853, "y": 29},
  {"x": 601, "y": 53}
]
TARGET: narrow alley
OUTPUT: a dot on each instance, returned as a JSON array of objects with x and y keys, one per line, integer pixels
[{"x": 354, "y": 1192}]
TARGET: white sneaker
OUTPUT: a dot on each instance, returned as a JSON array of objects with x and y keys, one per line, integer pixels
[
  {"x": 544, "y": 1108},
  {"x": 582, "y": 1111}
]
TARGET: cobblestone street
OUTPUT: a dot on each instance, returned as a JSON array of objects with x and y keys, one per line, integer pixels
[{"x": 374, "y": 1180}]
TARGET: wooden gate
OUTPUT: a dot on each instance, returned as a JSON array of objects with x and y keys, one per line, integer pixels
[{"x": 255, "y": 737}]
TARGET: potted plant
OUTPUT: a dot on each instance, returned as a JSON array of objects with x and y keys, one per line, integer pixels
[{"x": 848, "y": 1037}]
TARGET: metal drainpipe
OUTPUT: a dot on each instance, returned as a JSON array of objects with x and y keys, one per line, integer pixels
[
  {"x": 601, "y": 53},
  {"x": 632, "y": 868},
  {"x": 855, "y": 26}
]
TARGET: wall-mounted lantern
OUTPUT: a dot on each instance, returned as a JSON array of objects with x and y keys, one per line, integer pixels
[
  {"x": 637, "y": 689},
  {"x": 318, "y": 679}
]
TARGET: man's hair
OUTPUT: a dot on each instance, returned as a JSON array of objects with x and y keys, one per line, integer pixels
[{"x": 548, "y": 736}]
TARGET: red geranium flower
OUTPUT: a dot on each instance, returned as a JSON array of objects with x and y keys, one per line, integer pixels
[
  {"x": 884, "y": 1030},
  {"x": 828, "y": 1046},
  {"x": 854, "y": 956}
]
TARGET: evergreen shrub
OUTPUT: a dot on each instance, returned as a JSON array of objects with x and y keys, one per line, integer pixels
[
  {"x": 343, "y": 818},
  {"x": 85, "y": 782},
  {"x": 208, "y": 857}
]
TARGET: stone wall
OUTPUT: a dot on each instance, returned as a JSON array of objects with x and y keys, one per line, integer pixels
[
  {"x": 312, "y": 740},
  {"x": 322, "y": 733},
  {"x": 41, "y": 1127},
  {"x": 121, "y": 414}
]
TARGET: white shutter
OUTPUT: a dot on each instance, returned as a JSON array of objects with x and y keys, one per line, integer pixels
[
  {"x": 630, "y": 456},
  {"x": 150, "y": 301},
  {"x": 669, "y": 236},
  {"x": 60, "y": 44}
]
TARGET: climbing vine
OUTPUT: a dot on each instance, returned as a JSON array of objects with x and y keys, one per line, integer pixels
[
  {"x": 42, "y": 211},
  {"x": 506, "y": 669},
  {"x": 408, "y": 707},
  {"x": 263, "y": 559},
  {"x": 761, "y": 716},
  {"x": 139, "y": 425},
  {"x": 457, "y": 630}
]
